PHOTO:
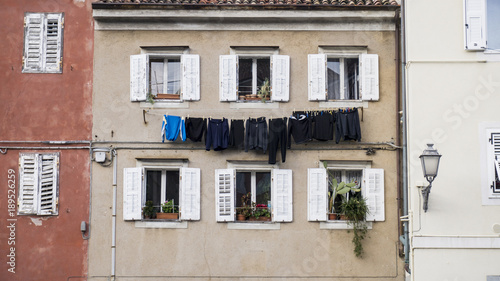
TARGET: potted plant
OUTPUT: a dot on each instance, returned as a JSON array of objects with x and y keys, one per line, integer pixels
[
  {"x": 148, "y": 211},
  {"x": 265, "y": 91},
  {"x": 244, "y": 212},
  {"x": 169, "y": 211},
  {"x": 261, "y": 213},
  {"x": 356, "y": 209},
  {"x": 337, "y": 189}
]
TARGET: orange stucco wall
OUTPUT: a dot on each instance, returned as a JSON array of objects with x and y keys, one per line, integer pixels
[{"x": 46, "y": 107}]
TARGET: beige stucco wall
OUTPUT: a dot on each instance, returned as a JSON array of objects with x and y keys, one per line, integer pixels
[
  {"x": 452, "y": 94},
  {"x": 207, "y": 248}
]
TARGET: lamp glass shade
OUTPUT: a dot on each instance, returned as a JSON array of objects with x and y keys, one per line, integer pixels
[{"x": 430, "y": 161}]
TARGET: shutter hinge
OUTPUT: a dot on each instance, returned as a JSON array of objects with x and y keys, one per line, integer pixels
[
  {"x": 62, "y": 23},
  {"x": 490, "y": 140},
  {"x": 24, "y": 21}
]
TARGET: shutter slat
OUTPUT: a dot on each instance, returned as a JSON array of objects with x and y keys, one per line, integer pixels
[
  {"x": 224, "y": 194},
  {"x": 282, "y": 195},
  {"x": 190, "y": 194},
  {"x": 28, "y": 183},
  {"x": 317, "y": 198},
  {"x": 48, "y": 184},
  {"x": 317, "y": 90}
]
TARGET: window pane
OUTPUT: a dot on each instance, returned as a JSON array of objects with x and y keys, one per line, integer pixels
[
  {"x": 156, "y": 76},
  {"x": 153, "y": 188},
  {"x": 174, "y": 76},
  {"x": 263, "y": 187},
  {"x": 493, "y": 24},
  {"x": 243, "y": 186},
  {"x": 245, "y": 76},
  {"x": 351, "y": 78},
  {"x": 172, "y": 191},
  {"x": 263, "y": 71},
  {"x": 333, "y": 73}
]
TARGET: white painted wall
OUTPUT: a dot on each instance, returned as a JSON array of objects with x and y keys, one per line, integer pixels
[{"x": 451, "y": 94}]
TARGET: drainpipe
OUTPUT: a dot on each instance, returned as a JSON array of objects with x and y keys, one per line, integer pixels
[
  {"x": 404, "y": 218},
  {"x": 113, "y": 218}
]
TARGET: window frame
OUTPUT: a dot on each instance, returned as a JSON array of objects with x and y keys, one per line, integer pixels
[
  {"x": 140, "y": 80},
  {"x": 279, "y": 79},
  {"x": 317, "y": 190},
  {"x": 34, "y": 34},
  {"x": 368, "y": 73},
  {"x": 281, "y": 185},
  {"x": 31, "y": 188},
  {"x": 134, "y": 189}
]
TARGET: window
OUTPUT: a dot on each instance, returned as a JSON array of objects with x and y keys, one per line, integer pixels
[
  {"x": 255, "y": 74},
  {"x": 493, "y": 162},
  {"x": 38, "y": 184},
  {"x": 43, "y": 42},
  {"x": 347, "y": 176},
  {"x": 343, "y": 75},
  {"x": 271, "y": 187},
  {"x": 482, "y": 25},
  {"x": 164, "y": 77},
  {"x": 371, "y": 182},
  {"x": 159, "y": 183}
]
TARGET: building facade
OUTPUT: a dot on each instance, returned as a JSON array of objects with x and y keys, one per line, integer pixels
[
  {"x": 452, "y": 74},
  {"x": 250, "y": 74},
  {"x": 45, "y": 129}
]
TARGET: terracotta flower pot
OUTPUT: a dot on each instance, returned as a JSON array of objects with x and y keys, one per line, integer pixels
[
  {"x": 332, "y": 217},
  {"x": 167, "y": 216},
  {"x": 240, "y": 217}
]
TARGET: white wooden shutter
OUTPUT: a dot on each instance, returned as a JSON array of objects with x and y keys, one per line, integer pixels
[
  {"x": 139, "y": 77},
  {"x": 228, "y": 77},
  {"x": 493, "y": 156},
  {"x": 369, "y": 77},
  {"x": 190, "y": 194},
  {"x": 132, "y": 193},
  {"x": 33, "y": 42},
  {"x": 318, "y": 90},
  {"x": 28, "y": 184},
  {"x": 475, "y": 23},
  {"x": 317, "y": 194},
  {"x": 373, "y": 192},
  {"x": 190, "y": 77},
  {"x": 282, "y": 195},
  {"x": 280, "y": 78},
  {"x": 224, "y": 195},
  {"x": 48, "y": 183},
  {"x": 53, "y": 38}
]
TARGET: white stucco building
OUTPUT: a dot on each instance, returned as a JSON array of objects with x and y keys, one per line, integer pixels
[{"x": 452, "y": 87}]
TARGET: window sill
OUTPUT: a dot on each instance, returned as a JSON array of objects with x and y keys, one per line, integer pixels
[
  {"x": 161, "y": 224},
  {"x": 340, "y": 225},
  {"x": 350, "y": 103},
  {"x": 253, "y": 225},
  {"x": 252, "y": 105},
  {"x": 165, "y": 104}
]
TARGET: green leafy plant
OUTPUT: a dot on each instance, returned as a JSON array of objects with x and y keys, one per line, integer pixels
[
  {"x": 261, "y": 210},
  {"x": 356, "y": 210},
  {"x": 149, "y": 210},
  {"x": 169, "y": 207},
  {"x": 265, "y": 91},
  {"x": 337, "y": 189}
]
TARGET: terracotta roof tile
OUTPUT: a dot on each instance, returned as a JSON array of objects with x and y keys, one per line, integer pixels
[{"x": 346, "y": 3}]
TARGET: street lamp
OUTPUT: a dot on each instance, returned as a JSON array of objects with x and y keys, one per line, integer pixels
[{"x": 430, "y": 165}]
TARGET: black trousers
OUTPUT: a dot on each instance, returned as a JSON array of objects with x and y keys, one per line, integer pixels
[{"x": 277, "y": 136}]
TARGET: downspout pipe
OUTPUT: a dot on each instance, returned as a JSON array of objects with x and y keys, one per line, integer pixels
[
  {"x": 404, "y": 153},
  {"x": 113, "y": 218}
]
